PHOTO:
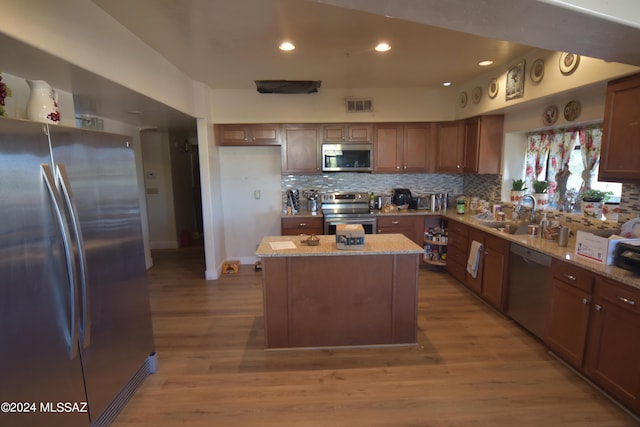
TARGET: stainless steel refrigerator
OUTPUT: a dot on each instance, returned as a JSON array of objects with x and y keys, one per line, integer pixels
[{"x": 75, "y": 325}]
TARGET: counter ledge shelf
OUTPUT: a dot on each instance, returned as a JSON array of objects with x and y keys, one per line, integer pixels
[{"x": 321, "y": 296}]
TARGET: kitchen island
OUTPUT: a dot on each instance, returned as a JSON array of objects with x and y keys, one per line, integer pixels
[{"x": 321, "y": 296}]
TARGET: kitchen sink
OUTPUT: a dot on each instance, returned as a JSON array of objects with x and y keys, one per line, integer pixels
[{"x": 515, "y": 227}]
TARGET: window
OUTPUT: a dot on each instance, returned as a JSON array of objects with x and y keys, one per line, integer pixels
[{"x": 568, "y": 159}]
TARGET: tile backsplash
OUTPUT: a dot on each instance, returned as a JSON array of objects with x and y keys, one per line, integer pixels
[
  {"x": 379, "y": 184},
  {"x": 486, "y": 187}
]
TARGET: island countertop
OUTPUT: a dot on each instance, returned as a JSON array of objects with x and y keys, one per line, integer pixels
[{"x": 374, "y": 244}]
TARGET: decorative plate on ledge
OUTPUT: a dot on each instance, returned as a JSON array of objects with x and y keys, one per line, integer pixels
[
  {"x": 462, "y": 99},
  {"x": 476, "y": 94},
  {"x": 550, "y": 115},
  {"x": 537, "y": 70},
  {"x": 569, "y": 63},
  {"x": 493, "y": 88},
  {"x": 572, "y": 110}
]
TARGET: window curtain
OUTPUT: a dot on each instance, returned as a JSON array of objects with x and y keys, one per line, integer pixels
[
  {"x": 560, "y": 149},
  {"x": 590, "y": 141},
  {"x": 536, "y": 156}
]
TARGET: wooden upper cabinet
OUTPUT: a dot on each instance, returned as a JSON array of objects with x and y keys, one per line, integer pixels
[
  {"x": 387, "y": 148},
  {"x": 620, "y": 151},
  {"x": 483, "y": 144},
  {"x": 402, "y": 148},
  {"x": 418, "y": 148},
  {"x": 450, "y": 146},
  {"x": 258, "y": 134},
  {"x": 347, "y": 132},
  {"x": 301, "y": 149}
]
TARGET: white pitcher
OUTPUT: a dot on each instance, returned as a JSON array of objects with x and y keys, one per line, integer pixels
[{"x": 43, "y": 102}]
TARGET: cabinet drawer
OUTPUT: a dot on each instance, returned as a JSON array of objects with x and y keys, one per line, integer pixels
[
  {"x": 572, "y": 275},
  {"x": 620, "y": 295},
  {"x": 458, "y": 228},
  {"x": 295, "y": 226},
  {"x": 395, "y": 221}
]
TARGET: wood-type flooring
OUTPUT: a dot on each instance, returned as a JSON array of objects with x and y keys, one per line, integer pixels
[{"x": 472, "y": 367}]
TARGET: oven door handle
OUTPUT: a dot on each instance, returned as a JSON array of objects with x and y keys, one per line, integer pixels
[{"x": 352, "y": 221}]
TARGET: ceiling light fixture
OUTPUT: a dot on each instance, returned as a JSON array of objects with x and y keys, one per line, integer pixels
[
  {"x": 485, "y": 63},
  {"x": 446, "y": 84},
  {"x": 382, "y": 47},
  {"x": 286, "y": 46}
]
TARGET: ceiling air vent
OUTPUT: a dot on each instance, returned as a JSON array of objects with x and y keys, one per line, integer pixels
[
  {"x": 288, "y": 86},
  {"x": 359, "y": 105}
]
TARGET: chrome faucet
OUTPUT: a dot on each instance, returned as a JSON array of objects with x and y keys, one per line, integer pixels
[{"x": 533, "y": 209}]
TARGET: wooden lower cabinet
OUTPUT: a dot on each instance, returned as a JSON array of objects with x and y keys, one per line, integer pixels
[
  {"x": 613, "y": 346},
  {"x": 412, "y": 226},
  {"x": 457, "y": 250},
  {"x": 294, "y": 226},
  {"x": 495, "y": 271},
  {"x": 568, "y": 310}
]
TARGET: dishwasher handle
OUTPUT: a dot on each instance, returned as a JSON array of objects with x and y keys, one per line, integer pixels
[{"x": 530, "y": 256}]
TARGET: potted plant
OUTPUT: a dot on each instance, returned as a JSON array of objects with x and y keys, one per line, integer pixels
[
  {"x": 517, "y": 190},
  {"x": 540, "y": 193},
  {"x": 592, "y": 201}
]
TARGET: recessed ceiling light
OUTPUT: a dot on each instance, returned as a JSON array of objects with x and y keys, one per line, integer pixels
[
  {"x": 286, "y": 46},
  {"x": 446, "y": 84},
  {"x": 383, "y": 47},
  {"x": 485, "y": 63}
]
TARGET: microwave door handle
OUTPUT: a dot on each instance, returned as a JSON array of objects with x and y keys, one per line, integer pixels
[{"x": 68, "y": 252}]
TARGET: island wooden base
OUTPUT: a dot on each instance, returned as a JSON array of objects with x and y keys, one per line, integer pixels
[{"x": 329, "y": 301}]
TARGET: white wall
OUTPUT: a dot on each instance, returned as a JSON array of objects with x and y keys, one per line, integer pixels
[
  {"x": 328, "y": 106},
  {"x": 245, "y": 170},
  {"x": 159, "y": 189}
]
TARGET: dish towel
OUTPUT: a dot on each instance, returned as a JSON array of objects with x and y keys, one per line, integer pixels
[{"x": 474, "y": 258}]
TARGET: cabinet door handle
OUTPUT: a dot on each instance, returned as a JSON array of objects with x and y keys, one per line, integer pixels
[
  {"x": 585, "y": 301},
  {"x": 570, "y": 277},
  {"x": 627, "y": 300},
  {"x": 395, "y": 222},
  {"x": 598, "y": 307},
  {"x": 486, "y": 253},
  {"x": 302, "y": 224}
]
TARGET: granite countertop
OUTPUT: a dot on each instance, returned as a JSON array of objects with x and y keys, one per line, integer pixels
[
  {"x": 374, "y": 244},
  {"x": 550, "y": 247}
]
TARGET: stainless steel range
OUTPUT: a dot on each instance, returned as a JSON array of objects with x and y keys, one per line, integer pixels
[{"x": 347, "y": 208}]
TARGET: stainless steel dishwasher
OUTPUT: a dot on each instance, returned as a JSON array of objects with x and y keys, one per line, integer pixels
[{"x": 528, "y": 286}]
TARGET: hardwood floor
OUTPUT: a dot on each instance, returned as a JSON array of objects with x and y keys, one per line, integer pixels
[{"x": 471, "y": 367}]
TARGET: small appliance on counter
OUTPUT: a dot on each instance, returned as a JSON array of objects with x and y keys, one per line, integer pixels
[
  {"x": 628, "y": 256},
  {"x": 402, "y": 196}
]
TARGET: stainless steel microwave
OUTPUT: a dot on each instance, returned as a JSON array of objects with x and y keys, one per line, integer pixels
[{"x": 347, "y": 158}]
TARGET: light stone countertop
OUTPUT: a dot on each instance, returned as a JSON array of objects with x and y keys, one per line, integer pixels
[
  {"x": 374, "y": 244},
  {"x": 550, "y": 247}
]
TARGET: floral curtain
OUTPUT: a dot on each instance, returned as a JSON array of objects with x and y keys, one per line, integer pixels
[
  {"x": 590, "y": 141},
  {"x": 536, "y": 156},
  {"x": 560, "y": 149}
]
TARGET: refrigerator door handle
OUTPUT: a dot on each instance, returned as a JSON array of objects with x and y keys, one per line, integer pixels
[
  {"x": 49, "y": 179},
  {"x": 85, "y": 314}
]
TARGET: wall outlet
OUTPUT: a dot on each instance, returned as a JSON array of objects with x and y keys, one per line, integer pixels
[{"x": 256, "y": 194}]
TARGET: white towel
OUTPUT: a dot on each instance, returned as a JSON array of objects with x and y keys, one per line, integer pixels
[{"x": 474, "y": 258}]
